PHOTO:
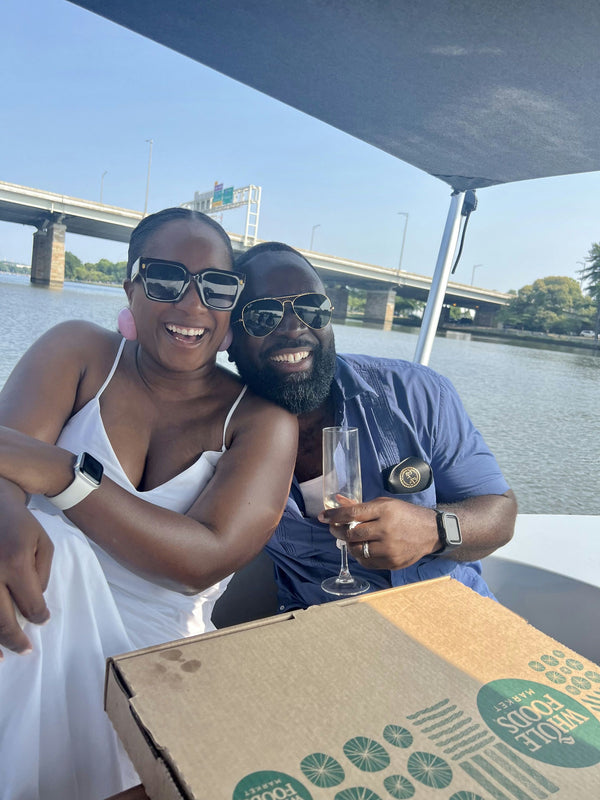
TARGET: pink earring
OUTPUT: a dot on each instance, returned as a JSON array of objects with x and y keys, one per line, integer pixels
[
  {"x": 126, "y": 324},
  {"x": 226, "y": 341}
]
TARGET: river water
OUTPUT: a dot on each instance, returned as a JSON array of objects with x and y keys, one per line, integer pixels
[{"x": 538, "y": 409}]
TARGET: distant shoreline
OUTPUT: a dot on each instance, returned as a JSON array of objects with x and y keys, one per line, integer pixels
[{"x": 554, "y": 340}]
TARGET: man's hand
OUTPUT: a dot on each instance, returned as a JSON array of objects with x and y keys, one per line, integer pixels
[
  {"x": 25, "y": 560},
  {"x": 398, "y": 533}
]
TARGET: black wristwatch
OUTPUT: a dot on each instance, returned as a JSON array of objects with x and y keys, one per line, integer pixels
[
  {"x": 448, "y": 531},
  {"x": 87, "y": 474}
]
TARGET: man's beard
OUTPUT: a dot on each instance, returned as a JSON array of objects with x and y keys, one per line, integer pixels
[{"x": 298, "y": 392}]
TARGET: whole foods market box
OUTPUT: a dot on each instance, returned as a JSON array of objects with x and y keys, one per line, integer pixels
[{"x": 427, "y": 691}]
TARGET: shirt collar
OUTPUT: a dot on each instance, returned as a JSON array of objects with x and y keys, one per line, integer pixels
[{"x": 349, "y": 382}]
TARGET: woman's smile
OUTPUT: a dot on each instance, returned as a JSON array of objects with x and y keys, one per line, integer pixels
[{"x": 184, "y": 334}]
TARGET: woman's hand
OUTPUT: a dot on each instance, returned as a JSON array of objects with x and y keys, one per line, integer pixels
[{"x": 25, "y": 560}]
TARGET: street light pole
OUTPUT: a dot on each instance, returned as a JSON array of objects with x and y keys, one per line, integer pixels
[
  {"x": 150, "y": 142},
  {"x": 405, "y": 215},
  {"x": 312, "y": 236},
  {"x": 102, "y": 183},
  {"x": 473, "y": 273}
]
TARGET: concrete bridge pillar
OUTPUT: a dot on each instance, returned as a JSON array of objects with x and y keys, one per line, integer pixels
[
  {"x": 379, "y": 308},
  {"x": 339, "y": 300},
  {"x": 485, "y": 317},
  {"x": 48, "y": 255}
]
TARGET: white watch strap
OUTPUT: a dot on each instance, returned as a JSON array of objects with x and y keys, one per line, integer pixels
[
  {"x": 73, "y": 494},
  {"x": 76, "y": 491}
]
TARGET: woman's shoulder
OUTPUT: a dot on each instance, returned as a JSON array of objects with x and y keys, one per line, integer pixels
[
  {"x": 266, "y": 414},
  {"x": 79, "y": 333},
  {"x": 77, "y": 348}
]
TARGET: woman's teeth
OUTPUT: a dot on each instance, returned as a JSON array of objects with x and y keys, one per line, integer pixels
[
  {"x": 184, "y": 331},
  {"x": 291, "y": 358}
]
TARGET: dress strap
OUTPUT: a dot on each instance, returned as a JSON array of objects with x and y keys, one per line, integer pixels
[
  {"x": 230, "y": 414},
  {"x": 113, "y": 368}
]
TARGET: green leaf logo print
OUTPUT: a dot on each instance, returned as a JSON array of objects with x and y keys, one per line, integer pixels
[
  {"x": 429, "y": 769},
  {"x": 397, "y": 736},
  {"x": 322, "y": 770},
  {"x": 357, "y": 793},
  {"x": 366, "y": 754},
  {"x": 399, "y": 787}
]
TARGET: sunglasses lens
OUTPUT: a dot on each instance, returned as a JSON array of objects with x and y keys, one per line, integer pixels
[
  {"x": 261, "y": 317},
  {"x": 314, "y": 310},
  {"x": 164, "y": 282},
  {"x": 220, "y": 290}
]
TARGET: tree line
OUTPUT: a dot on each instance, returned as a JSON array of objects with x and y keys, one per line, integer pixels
[
  {"x": 104, "y": 271},
  {"x": 558, "y": 304}
]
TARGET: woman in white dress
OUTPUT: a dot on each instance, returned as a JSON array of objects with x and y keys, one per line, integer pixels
[{"x": 135, "y": 476}]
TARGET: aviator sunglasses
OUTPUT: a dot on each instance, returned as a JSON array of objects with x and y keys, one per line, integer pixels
[
  {"x": 167, "y": 282},
  {"x": 261, "y": 317}
]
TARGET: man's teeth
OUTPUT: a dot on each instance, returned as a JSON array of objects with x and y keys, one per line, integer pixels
[
  {"x": 185, "y": 331},
  {"x": 291, "y": 358}
]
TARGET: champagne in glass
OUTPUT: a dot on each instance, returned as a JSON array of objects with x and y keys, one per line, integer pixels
[{"x": 342, "y": 486}]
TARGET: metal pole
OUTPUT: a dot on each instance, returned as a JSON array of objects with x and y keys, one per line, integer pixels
[
  {"x": 151, "y": 142},
  {"x": 440, "y": 280},
  {"x": 312, "y": 236},
  {"x": 473, "y": 273},
  {"x": 102, "y": 183},
  {"x": 405, "y": 215}
]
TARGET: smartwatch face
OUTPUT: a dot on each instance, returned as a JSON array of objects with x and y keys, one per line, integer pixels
[
  {"x": 452, "y": 528},
  {"x": 91, "y": 468}
]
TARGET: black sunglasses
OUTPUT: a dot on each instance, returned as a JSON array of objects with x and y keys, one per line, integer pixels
[
  {"x": 261, "y": 317},
  {"x": 167, "y": 282}
]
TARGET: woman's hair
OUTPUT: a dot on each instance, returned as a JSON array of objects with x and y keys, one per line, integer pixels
[{"x": 152, "y": 223}]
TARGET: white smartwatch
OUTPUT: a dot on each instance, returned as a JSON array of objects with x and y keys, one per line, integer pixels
[{"x": 87, "y": 476}]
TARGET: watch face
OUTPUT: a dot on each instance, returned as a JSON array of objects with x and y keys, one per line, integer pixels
[
  {"x": 453, "y": 535},
  {"x": 91, "y": 467}
]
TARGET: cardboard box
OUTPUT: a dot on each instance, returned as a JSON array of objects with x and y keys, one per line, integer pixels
[{"x": 427, "y": 691}]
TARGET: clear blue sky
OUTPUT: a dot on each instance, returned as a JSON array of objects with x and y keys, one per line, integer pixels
[{"x": 80, "y": 96}]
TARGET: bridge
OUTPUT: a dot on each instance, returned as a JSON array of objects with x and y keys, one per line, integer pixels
[{"x": 54, "y": 214}]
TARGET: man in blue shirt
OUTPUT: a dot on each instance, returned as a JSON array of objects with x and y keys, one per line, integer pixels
[{"x": 446, "y": 503}]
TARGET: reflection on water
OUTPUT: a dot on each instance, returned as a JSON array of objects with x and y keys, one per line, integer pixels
[{"x": 537, "y": 408}]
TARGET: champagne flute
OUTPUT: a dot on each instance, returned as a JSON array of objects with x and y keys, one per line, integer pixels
[{"x": 342, "y": 486}]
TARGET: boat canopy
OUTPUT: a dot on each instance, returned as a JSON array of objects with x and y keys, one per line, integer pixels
[{"x": 473, "y": 92}]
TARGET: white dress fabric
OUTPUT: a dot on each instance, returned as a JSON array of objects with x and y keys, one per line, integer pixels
[{"x": 56, "y": 742}]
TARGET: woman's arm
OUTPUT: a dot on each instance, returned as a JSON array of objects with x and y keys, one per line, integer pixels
[{"x": 227, "y": 526}]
